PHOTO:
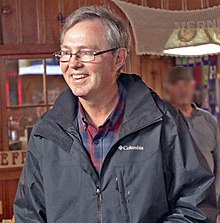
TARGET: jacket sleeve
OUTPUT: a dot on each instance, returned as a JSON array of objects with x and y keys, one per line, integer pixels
[
  {"x": 189, "y": 181},
  {"x": 29, "y": 204},
  {"x": 216, "y": 156}
]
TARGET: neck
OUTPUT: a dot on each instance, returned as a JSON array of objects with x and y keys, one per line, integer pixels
[
  {"x": 186, "y": 109},
  {"x": 100, "y": 107}
]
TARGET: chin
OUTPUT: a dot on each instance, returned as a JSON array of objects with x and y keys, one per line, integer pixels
[
  {"x": 184, "y": 102},
  {"x": 79, "y": 92}
]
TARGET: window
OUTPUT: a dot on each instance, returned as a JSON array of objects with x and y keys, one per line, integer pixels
[{"x": 31, "y": 87}]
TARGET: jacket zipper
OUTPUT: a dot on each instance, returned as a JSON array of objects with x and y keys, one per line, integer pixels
[
  {"x": 98, "y": 191},
  {"x": 98, "y": 196}
]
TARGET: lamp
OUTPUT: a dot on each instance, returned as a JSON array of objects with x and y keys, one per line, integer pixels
[{"x": 193, "y": 42}]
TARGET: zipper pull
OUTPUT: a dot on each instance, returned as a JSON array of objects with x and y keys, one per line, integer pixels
[
  {"x": 99, "y": 205},
  {"x": 116, "y": 184},
  {"x": 97, "y": 193}
]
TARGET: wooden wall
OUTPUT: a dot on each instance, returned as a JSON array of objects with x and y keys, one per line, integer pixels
[{"x": 9, "y": 178}]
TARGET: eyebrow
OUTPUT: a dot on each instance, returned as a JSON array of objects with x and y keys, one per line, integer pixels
[{"x": 95, "y": 47}]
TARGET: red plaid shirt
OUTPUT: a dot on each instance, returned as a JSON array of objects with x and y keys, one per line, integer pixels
[{"x": 99, "y": 141}]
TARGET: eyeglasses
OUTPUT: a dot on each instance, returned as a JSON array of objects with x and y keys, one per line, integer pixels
[{"x": 81, "y": 55}]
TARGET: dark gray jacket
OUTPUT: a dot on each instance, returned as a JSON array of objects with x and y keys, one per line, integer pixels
[{"x": 153, "y": 172}]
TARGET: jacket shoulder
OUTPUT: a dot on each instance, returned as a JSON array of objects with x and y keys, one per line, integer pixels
[{"x": 164, "y": 106}]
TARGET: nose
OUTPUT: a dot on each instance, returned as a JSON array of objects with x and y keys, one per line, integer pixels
[{"x": 74, "y": 63}]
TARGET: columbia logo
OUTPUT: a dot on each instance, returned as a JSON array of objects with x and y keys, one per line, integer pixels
[{"x": 131, "y": 148}]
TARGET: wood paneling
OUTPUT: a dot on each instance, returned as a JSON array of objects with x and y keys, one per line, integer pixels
[
  {"x": 51, "y": 28},
  {"x": 195, "y": 4},
  {"x": 92, "y": 2},
  {"x": 29, "y": 29},
  {"x": 153, "y": 3},
  {"x": 67, "y": 7},
  {"x": 213, "y": 2},
  {"x": 138, "y": 2},
  {"x": 1, "y": 34},
  {"x": 175, "y": 5},
  {"x": 2, "y": 200},
  {"x": 2, "y": 84},
  {"x": 25, "y": 49},
  {"x": 153, "y": 70},
  {"x": 8, "y": 185},
  {"x": 10, "y": 190},
  {"x": 10, "y": 21}
]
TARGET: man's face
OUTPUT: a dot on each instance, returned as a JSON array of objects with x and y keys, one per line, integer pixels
[
  {"x": 88, "y": 79},
  {"x": 181, "y": 92}
]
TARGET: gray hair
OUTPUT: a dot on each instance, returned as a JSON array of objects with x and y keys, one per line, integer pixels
[{"x": 117, "y": 34}]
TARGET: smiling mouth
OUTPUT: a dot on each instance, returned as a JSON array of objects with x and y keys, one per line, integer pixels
[{"x": 79, "y": 76}]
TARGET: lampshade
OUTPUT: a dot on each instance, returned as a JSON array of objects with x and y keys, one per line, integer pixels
[{"x": 193, "y": 42}]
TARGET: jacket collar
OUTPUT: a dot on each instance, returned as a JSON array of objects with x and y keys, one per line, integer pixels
[{"x": 141, "y": 110}]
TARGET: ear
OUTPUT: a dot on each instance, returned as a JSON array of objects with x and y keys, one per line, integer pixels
[{"x": 120, "y": 58}]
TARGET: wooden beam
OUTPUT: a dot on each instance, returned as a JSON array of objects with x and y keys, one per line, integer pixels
[
  {"x": 28, "y": 49},
  {"x": 174, "y": 5},
  {"x": 212, "y": 3}
]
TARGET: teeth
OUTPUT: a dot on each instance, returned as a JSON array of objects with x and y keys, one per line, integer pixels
[{"x": 79, "y": 76}]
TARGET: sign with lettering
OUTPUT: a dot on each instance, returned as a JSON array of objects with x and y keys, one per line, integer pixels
[
  {"x": 214, "y": 23},
  {"x": 153, "y": 27},
  {"x": 10, "y": 159}
]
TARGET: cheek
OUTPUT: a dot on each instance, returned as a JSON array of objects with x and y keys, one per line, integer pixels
[
  {"x": 64, "y": 67},
  {"x": 176, "y": 94},
  {"x": 191, "y": 91},
  {"x": 99, "y": 71},
  {"x": 108, "y": 72}
]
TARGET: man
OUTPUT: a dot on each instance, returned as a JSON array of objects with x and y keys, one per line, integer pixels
[
  {"x": 180, "y": 87},
  {"x": 110, "y": 151}
]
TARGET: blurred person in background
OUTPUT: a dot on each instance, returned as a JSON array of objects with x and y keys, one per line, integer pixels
[{"x": 180, "y": 89}]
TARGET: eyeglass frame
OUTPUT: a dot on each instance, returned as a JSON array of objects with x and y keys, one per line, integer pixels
[{"x": 96, "y": 53}]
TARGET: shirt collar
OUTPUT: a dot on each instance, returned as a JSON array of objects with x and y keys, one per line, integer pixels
[
  {"x": 194, "y": 108},
  {"x": 196, "y": 111},
  {"x": 113, "y": 117}
]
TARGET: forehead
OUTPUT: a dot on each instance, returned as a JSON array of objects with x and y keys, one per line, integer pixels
[
  {"x": 86, "y": 33},
  {"x": 182, "y": 82}
]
